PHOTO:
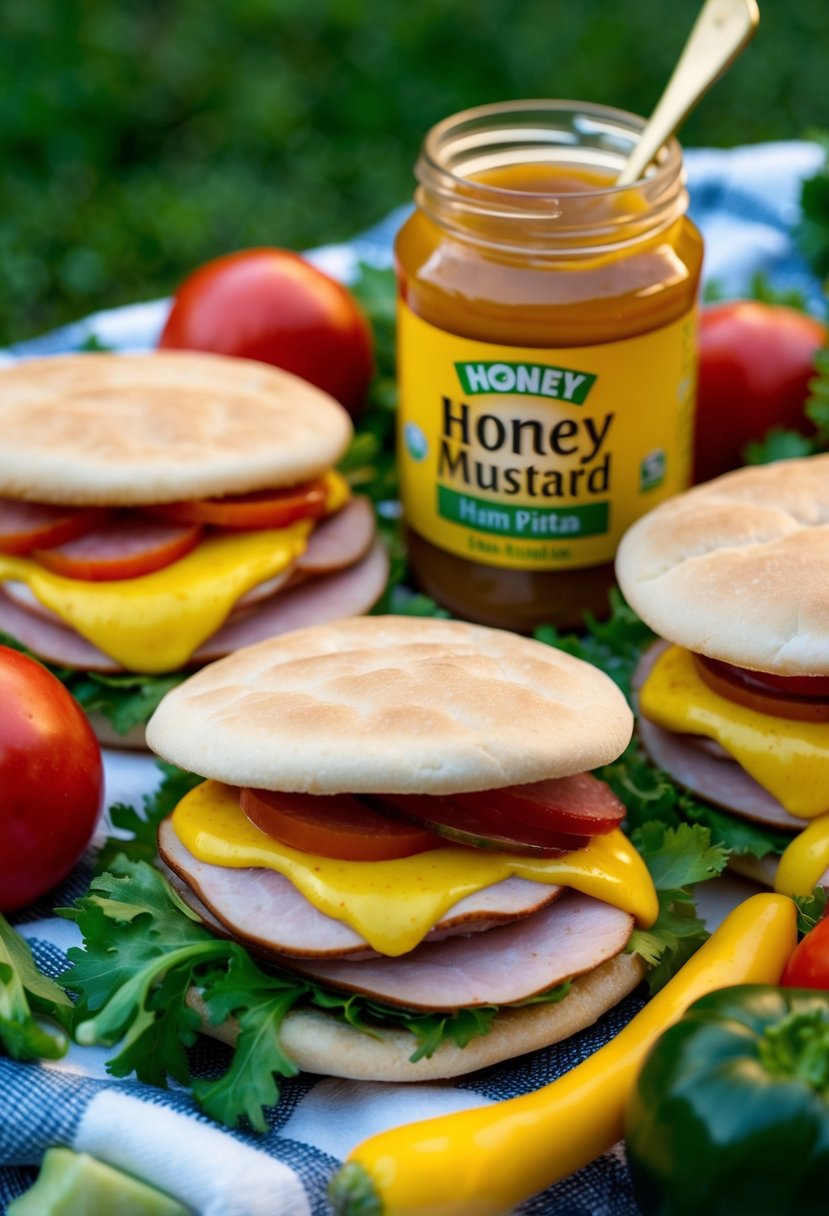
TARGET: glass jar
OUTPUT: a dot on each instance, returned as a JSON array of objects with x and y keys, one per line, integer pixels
[{"x": 546, "y": 356}]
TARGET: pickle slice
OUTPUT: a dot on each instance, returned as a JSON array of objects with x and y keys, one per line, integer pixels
[{"x": 483, "y": 828}]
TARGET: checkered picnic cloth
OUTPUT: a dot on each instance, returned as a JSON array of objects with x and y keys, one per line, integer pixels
[{"x": 745, "y": 201}]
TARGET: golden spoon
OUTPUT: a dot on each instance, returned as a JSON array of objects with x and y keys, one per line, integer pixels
[{"x": 722, "y": 29}]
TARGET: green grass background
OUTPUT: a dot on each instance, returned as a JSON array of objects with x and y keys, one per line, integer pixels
[{"x": 140, "y": 137}]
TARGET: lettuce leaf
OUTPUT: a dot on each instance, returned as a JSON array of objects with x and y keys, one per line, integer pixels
[
  {"x": 144, "y": 950},
  {"x": 26, "y": 996},
  {"x": 650, "y": 794},
  {"x": 810, "y": 909},
  {"x": 677, "y": 858},
  {"x": 124, "y": 700},
  {"x": 782, "y": 444},
  {"x": 137, "y": 830}
]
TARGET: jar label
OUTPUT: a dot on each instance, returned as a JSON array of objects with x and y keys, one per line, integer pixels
[{"x": 540, "y": 459}]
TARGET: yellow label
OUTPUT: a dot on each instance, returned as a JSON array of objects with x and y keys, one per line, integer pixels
[
  {"x": 805, "y": 862},
  {"x": 540, "y": 459}
]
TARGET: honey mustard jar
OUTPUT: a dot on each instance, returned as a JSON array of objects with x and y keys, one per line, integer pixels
[{"x": 546, "y": 356}]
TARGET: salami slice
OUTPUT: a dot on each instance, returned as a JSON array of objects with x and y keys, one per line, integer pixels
[{"x": 579, "y": 804}]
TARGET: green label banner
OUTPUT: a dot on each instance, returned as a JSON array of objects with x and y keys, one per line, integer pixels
[
  {"x": 526, "y": 522},
  {"x": 526, "y": 380}
]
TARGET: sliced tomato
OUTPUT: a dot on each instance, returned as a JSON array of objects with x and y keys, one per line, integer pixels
[
  {"x": 25, "y": 526},
  {"x": 782, "y": 696},
  {"x": 261, "y": 509},
  {"x": 479, "y": 826},
  {"x": 577, "y": 805},
  {"x": 768, "y": 681},
  {"x": 126, "y": 546},
  {"x": 333, "y": 825}
]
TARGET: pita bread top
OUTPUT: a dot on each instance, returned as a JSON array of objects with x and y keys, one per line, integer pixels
[
  {"x": 738, "y": 568},
  {"x": 122, "y": 430},
  {"x": 392, "y": 705}
]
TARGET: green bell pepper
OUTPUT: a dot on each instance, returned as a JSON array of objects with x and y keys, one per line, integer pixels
[{"x": 730, "y": 1113}]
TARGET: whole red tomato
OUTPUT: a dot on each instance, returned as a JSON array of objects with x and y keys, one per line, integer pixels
[
  {"x": 51, "y": 780},
  {"x": 808, "y": 967},
  {"x": 756, "y": 361},
  {"x": 272, "y": 305}
]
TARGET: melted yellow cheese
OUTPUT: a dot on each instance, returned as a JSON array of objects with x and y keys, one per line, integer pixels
[
  {"x": 790, "y": 759},
  {"x": 805, "y": 860},
  {"x": 394, "y": 904},
  {"x": 155, "y": 622}
]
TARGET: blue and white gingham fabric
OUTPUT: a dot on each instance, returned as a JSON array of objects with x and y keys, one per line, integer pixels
[{"x": 745, "y": 201}]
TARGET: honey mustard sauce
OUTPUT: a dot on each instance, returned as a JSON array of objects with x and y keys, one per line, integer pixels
[{"x": 546, "y": 357}]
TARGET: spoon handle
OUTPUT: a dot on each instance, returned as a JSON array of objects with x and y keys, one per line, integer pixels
[{"x": 722, "y": 29}]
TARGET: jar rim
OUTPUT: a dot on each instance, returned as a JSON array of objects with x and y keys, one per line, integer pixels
[{"x": 666, "y": 166}]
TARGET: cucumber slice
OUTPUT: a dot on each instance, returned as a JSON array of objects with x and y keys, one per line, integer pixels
[{"x": 75, "y": 1184}]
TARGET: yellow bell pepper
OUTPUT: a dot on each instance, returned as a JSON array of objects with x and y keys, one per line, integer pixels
[
  {"x": 485, "y": 1161},
  {"x": 805, "y": 860}
]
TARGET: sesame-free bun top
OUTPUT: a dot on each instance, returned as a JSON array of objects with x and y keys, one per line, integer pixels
[
  {"x": 738, "y": 568},
  {"x": 392, "y": 705},
  {"x": 122, "y": 430}
]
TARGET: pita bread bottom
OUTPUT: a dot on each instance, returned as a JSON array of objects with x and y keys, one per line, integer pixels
[{"x": 318, "y": 1042}]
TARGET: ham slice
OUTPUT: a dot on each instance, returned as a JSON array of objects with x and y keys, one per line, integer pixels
[
  {"x": 52, "y": 640},
  {"x": 341, "y": 540},
  {"x": 710, "y": 773},
  {"x": 265, "y": 910},
  {"x": 336, "y": 542},
  {"x": 646, "y": 664},
  {"x": 20, "y": 594},
  {"x": 263, "y": 591},
  {"x": 505, "y": 965},
  {"x": 348, "y": 592},
  {"x": 722, "y": 782}
]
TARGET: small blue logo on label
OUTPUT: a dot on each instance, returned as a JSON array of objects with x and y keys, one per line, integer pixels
[{"x": 416, "y": 443}]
